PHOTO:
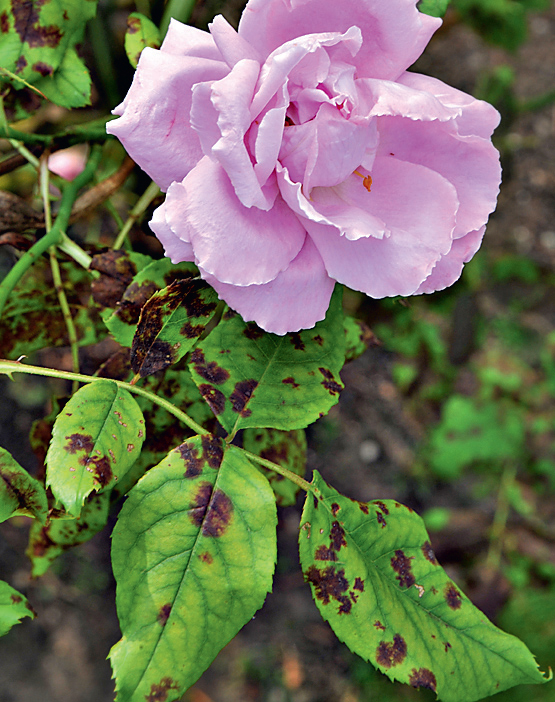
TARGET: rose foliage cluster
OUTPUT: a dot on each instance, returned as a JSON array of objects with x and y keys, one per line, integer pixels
[{"x": 298, "y": 151}]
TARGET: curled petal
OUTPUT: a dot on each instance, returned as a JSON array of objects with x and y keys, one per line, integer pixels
[
  {"x": 449, "y": 267},
  {"x": 236, "y": 244},
  {"x": 154, "y": 122},
  {"x": 176, "y": 249},
  {"x": 233, "y": 48},
  {"x": 184, "y": 40},
  {"x": 394, "y": 34},
  {"x": 296, "y": 299},
  {"x": 419, "y": 208}
]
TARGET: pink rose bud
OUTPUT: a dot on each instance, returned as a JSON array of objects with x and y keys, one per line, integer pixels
[
  {"x": 298, "y": 152},
  {"x": 68, "y": 163}
]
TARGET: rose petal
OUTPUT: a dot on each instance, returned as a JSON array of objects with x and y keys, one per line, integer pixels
[
  {"x": 233, "y": 48},
  {"x": 477, "y": 117},
  {"x": 394, "y": 34},
  {"x": 418, "y": 207},
  {"x": 175, "y": 248},
  {"x": 184, "y": 40},
  {"x": 154, "y": 125},
  {"x": 236, "y": 244},
  {"x": 296, "y": 299},
  {"x": 449, "y": 267},
  {"x": 471, "y": 164}
]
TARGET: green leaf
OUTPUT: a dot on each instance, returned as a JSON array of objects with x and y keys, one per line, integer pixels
[
  {"x": 157, "y": 275},
  {"x": 39, "y": 41},
  {"x": 47, "y": 542},
  {"x": 358, "y": 338},
  {"x": 32, "y": 318},
  {"x": 13, "y": 607},
  {"x": 287, "y": 449},
  {"x": 254, "y": 379},
  {"x": 171, "y": 321},
  {"x": 435, "y": 8},
  {"x": 19, "y": 492},
  {"x": 377, "y": 582},
  {"x": 96, "y": 439},
  {"x": 193, "y": 554},
  {"x": 141, "y": 32}
]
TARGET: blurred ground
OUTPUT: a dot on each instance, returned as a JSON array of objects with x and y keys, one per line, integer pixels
[{"x": 366, "y": 448}]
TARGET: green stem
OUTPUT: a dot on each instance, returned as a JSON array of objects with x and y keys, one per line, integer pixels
[
  {"x": 94, "y": 131},
  {"x": 143, "y": 202},
  {"x": 293, "y": 477},
  {"x": 69, "y": 247},
  {"x": 11, "y": 367},
  {"x": 53, "y": 236}
]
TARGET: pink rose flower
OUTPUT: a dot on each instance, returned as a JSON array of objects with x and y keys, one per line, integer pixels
[
  {"x": 68, "y": 163},
  {"x": 298, "y": 152}
]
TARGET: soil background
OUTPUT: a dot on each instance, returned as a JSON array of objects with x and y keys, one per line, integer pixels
[{"x": 365, "y": 448}]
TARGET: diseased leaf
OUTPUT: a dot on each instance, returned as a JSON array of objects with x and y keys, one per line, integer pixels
[
  {"x": 254, "y": 379},
  {"x": 171, "y": 321},
  {"x": 375, "y": 579},
  {"x": 96, "y": 439},
  {"x": 47, "y": 542},
  {"x": 435, "y": 8},
  {"x": 358, "y": 338},
  {"x": 13, "y": 607},
  {"x": 19, "y": 492},
  {"x": 117, "y": 269},
  {"x": 287, "y": 449},
  {"x": 193, "y": 554},
  {"x": 157, "y": 275},
  {"x": 38, "y": 45},
  {"x": 32, "y": 318},
  {"x": 141, "y": 32}
]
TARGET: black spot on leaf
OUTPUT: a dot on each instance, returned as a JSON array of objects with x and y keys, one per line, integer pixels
[
  {"x": 241, "y": 395},
  {"x": 423, "y": 678},
  {"x": 159, "y": 692},
  {"x": 297, "y": 342},
  {"x": 402, "y": 566},
  {"x": 359, "y": 585},
  {"x": 214, "y": 397},
  {"x": 26, "y": 24},
  {"x": 193, "y": 463},
  {"x": 335, "y": 508},
  {"x": 200, "y": 503},
  {"x": 382, "y": 506},
  {"x": 318, "y": 339},
  {"x": 381, "y": 519},
  {"x": 329, "y": 382},
  {"x": 428, "y": 552},
  {"x": 79, "y": 442},
  {"x": 206, "y": 557},
  {"x": 212, "y": 451},
  {"x": 379, "y": 625},
  {"x": 389, "y": 655},
  {"x": 4, "y": 23},
  {"x": 164, "y": 614},
  {"x": 330, "y": 584},
  {"x": 325, "y": 554},
  {"x": 43, "y": 68},
  {"x": 290, "y": 381},
  {"x": 101, "y": 469},
  {"x": 453, "y": 596},
  {"x": 252, "y": 331},
  {"x": 218, "y": 516},
  {"x": 337, "y": 536},
  {"x": 211, "y": 371}
]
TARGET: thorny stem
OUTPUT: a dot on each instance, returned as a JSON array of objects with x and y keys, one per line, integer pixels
[
  {"x": 53, "y": 236},
  {"x": 55, "y": 267},
  {"x": 10, "y": 367},
  {"x": 94, "y": 131},
  {"x": 143, "y": 202}
]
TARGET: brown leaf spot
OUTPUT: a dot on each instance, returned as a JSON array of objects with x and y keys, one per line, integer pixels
[
  {"x": 402, "y": 566},
  {"x": 363, "y": 507},
  {"x": 147, "y": 361},
  {"x": 297, "y": 342},
  {"x": 193, "y": 462},
  {"x": 318, "y": 339},
  {"x": 453, "y": 596},
  {"x": 43, "y": 68},
  {"x": 200, "y": 503},
  {"x": 219, "y": 514},
  {"x": 212, "y": 451},
  {"x": 159, "y": 692},
  {"x": 193, "y": 300},
  {"x": 79, "y": 442},
  {"x": 191, "y": 331},
  {"x": 359, "y": 585},
  {"x": 133, "y": 300},
  {"x": 214, "y": 397},
  {"x": 211, "y": 371},
  {"x": 329, "y": 383},
  {"x": 335, "y": 508},
  {"x": 116, "y": 273},
  {"x": 379, "y": 625},
  {"x": 290, "y": 381},
  {"x": 428, "y": 552},
  {"x": 101, "y": 469},
  {"x": 164, "y": 614},
  {"x": 325, "y": 554},
  {"x": 4, "y": 23},
  {"x": 241, "y": 395},
  {"x": 423, "y": 678},
  {"x": 253, "y": 331},
  {"x": 447, "y": 646},
  {"x": 330, "y": 584},
  {"x": 16, "y": 599},
  {"x": 133, "y": 25},
  {"x": 391, "y": 654},
  {"x": 26, "y": 24},
  {"x": 206, "y": 557},
  {"x": 381, "y": 519},
  {"x": 337, "y": 536},
  {"x": 382, "y": 506}
]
